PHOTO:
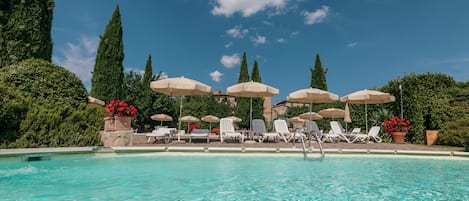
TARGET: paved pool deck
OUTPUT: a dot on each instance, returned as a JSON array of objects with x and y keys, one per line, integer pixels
[{"x": 215, "y": 146}]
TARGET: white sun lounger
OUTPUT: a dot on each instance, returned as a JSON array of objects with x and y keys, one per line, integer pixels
[
  {"x": 372, "y": 135},
  {"x": 281, "y": 127},
  {"x": 166, "y": 133},
  {"x": 258, "y": 128},
  {"x": 227, "y": 131},
  {"x": 199, "y": 133}
]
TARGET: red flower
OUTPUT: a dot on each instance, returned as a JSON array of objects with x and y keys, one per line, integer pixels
[
  {"x": 120, "y": 109},
  {"x": 396, "y": 124}
]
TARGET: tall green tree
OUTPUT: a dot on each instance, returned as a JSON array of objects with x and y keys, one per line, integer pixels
[
  {"x": 255, "y": 74},
  {"x": 25, "y": 30},
  {"x": 318, "y": 75},
  {"x": 108, "y": 74},
  {"x": 243, "y": 71},
  {"x": 148, "y": 74},
  {"x": 243, "y": 104},
  {"x": 257, "y": 103}
]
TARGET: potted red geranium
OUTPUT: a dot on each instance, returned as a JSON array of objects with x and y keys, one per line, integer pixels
[
  {"x": 397, "y": 127},
  {"x": 120, "y": 115}
]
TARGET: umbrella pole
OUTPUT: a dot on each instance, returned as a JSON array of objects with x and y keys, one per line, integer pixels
[
  {"x": 180, "y": 115},
  {"x": 366, "y": 117},
  {"x": 250, "y": 116},
  {"x": 310, "y": 117}
]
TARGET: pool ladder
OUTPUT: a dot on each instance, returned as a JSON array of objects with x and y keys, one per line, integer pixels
[{"x": 305, "y": 154}]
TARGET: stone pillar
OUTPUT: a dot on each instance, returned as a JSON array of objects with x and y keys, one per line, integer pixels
[{"x": 117, "y": 138}]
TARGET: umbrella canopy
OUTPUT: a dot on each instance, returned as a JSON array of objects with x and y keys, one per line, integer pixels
[
  {"x": 368, "y": 97},
  {"x": 161, "y": 118},
  {"x": 296, "y": 120},
  {"x": 251, "y": 89},
  {"x": 180, "y": 86},
  {"x": 332, "y": 113},
  {"x": 211, "y": 119},
  {"x": 312, "y": 95},
  {"x": 347, "y": 118},
  {"x": 235, "y": 119},
  {"x": 189, "y": 119},
  {"x": 310, "y": 116}
]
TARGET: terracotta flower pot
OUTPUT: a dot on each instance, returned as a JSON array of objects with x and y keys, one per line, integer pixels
[
  {"x": 431, "y": 136},
  {"x": 398, "y": 137},
  {"x": 117, "y": 123}
]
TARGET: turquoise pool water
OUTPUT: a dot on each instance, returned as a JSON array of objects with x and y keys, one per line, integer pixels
[{"x": 208, "y": 177}]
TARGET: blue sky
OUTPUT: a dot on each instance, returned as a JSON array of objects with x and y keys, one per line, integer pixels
[{"x": 362, "y": 43}]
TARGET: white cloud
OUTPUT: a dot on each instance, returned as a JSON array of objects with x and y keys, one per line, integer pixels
[
  {"x": 230, "y": 61},
  {"x": 228, "y": 45},
  {"x": 79, "y": 58},
  {"x": 237, "y": 31},
  {"x": 267, "y": 23},
  {"x": 216, "y": 76},
  {"x": 135, "y": 70},
  {"x": 258, "y": 40},
  {"x": 317, "y": 16},
  {"x": 245, "y": 7},
  {"x": 294, "y": 34},
  {"x": 352, "y": 44},
  {"x": 281, "y": 40},
  {"x": 163, "y": 75}
]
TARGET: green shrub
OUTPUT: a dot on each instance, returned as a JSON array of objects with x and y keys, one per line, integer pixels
[
  {"x": 58, "y": 125},
  {"x": 453, "y": 133},
  {"x": 46, "y": 105}
]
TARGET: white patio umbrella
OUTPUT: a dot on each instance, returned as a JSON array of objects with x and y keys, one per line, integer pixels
[
  {"x": 235, "y": 119},
  {"x": 210, "y": 119},
  {"x": 347, "y": 118},
  {"x": 296, "y": 120},
  {"x": 188, "y": 119},
  {"x": 312, "y": 95},
  {"x": 368, "y": 97},
  {"x": 251, "y": 89},
  {"x": 332, "y": 113},
  {"x": 310, "y": 116},
  {"x": 161, "y": 118},
  {"x": 180, "y": 86}
]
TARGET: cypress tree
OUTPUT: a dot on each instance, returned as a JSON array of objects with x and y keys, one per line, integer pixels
[
  {"x": 257, "y": 103},
  {"x": 147, "y": 97},
  {"x": 255, "y": 75},
  {"x": 318, "y": 75},
  {"x": 25, "y": 30},
  {"x": 148, "y": 74},
  {"x": 242, "y": 103},
  {"x": 243, "y": 72},
  {"x": 108, "y": 75}
]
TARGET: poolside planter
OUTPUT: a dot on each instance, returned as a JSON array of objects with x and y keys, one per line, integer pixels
[
  {"x": 398, "y": 137},
  {"x": 117, "y": 123},
  {"x": 431, "y": 137}
]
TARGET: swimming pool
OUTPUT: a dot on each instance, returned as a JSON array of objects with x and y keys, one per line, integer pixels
[{"x": 234, "y": 177}]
